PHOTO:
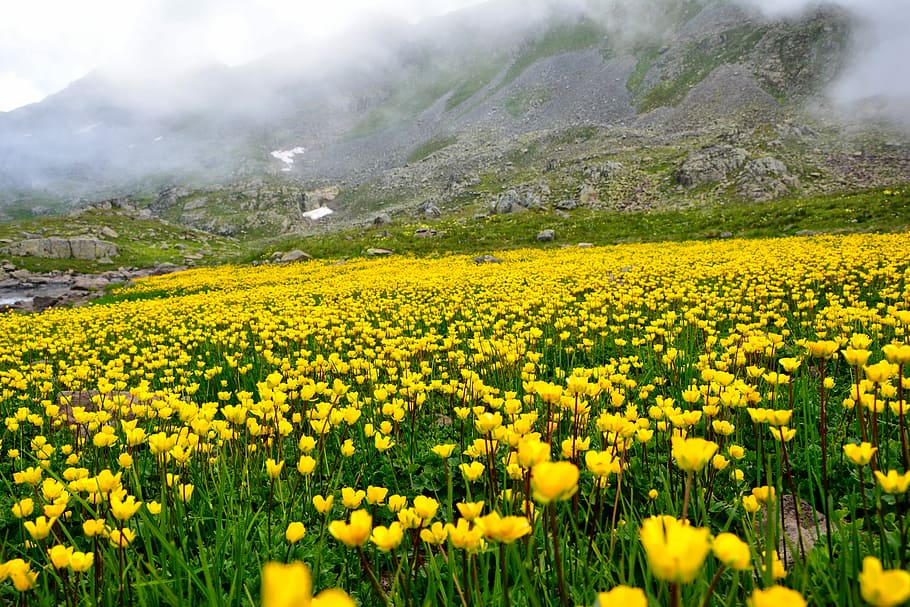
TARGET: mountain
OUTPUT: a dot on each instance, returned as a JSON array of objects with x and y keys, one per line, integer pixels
[{"x": 646, "y": 103}]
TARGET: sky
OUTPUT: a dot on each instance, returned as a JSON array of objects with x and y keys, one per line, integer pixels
[{"x": 47, "y": 44}]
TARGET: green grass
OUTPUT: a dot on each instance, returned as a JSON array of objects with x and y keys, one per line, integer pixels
[
  {"x": 480, "y": 77},
  {"x": 856, "y": 212},
  {"x": 519, "y": 104}
]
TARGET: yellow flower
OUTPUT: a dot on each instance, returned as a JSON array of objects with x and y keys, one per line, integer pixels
[
  {"x": 347, "y": 448},
  {"x": 185, "y": 491},
  {"x": 436, "y": 534},
  {"x": 23, "y": 508},
  {"x": 291, "y": 586},
  {"x": 736, "y": 452},
  {"x": 860, "y": 454},
  {"x": 505, "y": 529},
  {"x": 20, "y": 573},
  {"x": 273, "y": 468},
  {"x": 425, "y": 507},
  {"x": 732, "y": 552},
  {"x": 602, "y": 463},
  {"x": 822, "y": 349},
  {"x": 445, "y": 450},
  {"x": 382, "y": 443},
  {"x": 376, "y": 495},
  {"x": 93, "y": 527},
  {"x": 323, "y": 504},
  {"x": 465, "y": 537},
  {"x": 470, "y": 510},
  {"x": 856, "y": 358},
  {"x": 355, "y": 533},
  {"x": 153, "y": 508},
  {"x": 29, "y": 476},
  {"x": 554, "y": 481},
  {"x": 764, "y": 494},
  {"x": 623, "y": 596},
  {"x": 396, "y": 503},
  {"x": 777, "y": 566},
  {"x": 40, "y": 528},
  {"x": 295, "y": 532},
  {"x": 60, "y": 555},
  {"x": 305, "y": 465},
  {"x": 125, "y": 509},
  {"x": 532, "y": 452},
  {"x": 351, "y": 498},
  {"x": 692, "y": 454},
  {"x": 675, "y": 550},
  {"x": 81, "y": 561},
  {"x": 776, "y": 596},
  {"x": 893, "y": 482},
  {"x": 883, "y": 588},
  {"x": 387, "y": 538},
  {"x": 122, "y": 539},
  {"x": 783, "y": 433},
  {"x": 472, "y": 471}
]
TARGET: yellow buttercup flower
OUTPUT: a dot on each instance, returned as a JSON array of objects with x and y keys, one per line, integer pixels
[
  {"x": 776, "y": 596},
  {"x": 893, "y": 482},
  {"x": 505, "y": 529},
  {"x": 23, "y": 508},
  {"x": 692, "y": 454},
  {"x": 354, "y": 533},
  {"x": 470, "y": 510},
  {"x": 376, "y": 495},
  {"x": 882, "y": 588},
  {"x": 675, "y": 550},
  {"x": 295, "y": 532},
  {"x": 436, "y": 534},
  {"x": 732, "y": 552},
  {"x": 554, "y": 481},
  {"x": 292, "y": 586},
  {"x": 352, "y": 498},
  {"x": 425, "y": 507},
  {"x": 273, "y": 468},
  {"x": 60, "y": 556},
  {"x": 387, "y": 538},
  {"x": 81, "y": 561},
  {"x": 623, "y": 596},
  {"x": 444, "y": 451},
  {"x": 472, "y": 471},
  {"x": 860, "y": 454},
  {"x": 323, "y": 504}
]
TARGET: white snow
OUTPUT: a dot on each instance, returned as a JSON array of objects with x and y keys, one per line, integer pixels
[
  {"x": 318, "y": 213},
  {"x": 158, "y": 138},
  {"x": 287, "y": 156}
]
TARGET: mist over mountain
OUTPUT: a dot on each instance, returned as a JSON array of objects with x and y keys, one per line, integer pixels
[{"x": 374, "y": 99}]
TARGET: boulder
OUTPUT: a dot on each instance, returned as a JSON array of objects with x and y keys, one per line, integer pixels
[
  {"x": 426, "y": 233},
  {"x": 382, "y": 219},
  {"x": 709, "y": 165},
  {"x": 295, "y": 255},
  {"x": 588, "y": 194},
  {"x": 487, "y": 259},
  {"x": 63, "y": 248},
  {"x": 378, "y": 252},
  {"x": 89, "y": 282},
  {"x": 546, "y": 236},
  {"x": 428, "y": 210},
  {"x": 566, "y": 205}
]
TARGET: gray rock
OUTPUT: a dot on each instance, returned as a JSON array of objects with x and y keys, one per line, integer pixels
[
  {"x": 588, "y": 194},
  {"x": 427, "y": 233},
  {"x": 63, "y": 248},
  {"x": 429, "y": 210},
  {"x": 109, "y": 232},
  {"x": 566, "y": 205},
  {"x": 585, "y": 245},
  {"x": 709, "y": 165},
  {"x": 487, "y": 259},
  {"x": 603, "y": 172},
  {"x": 382, "y": 219},
  {"x": 295, "y": 255},
  {"x": 89, "y": 282},
  {"x": 379, "y": 252},
  {"x": 546, "y": 236},
  {"x": 726, "y": 235}
]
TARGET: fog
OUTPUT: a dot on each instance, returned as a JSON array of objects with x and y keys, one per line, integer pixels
[{"x": 167, "y": 89}]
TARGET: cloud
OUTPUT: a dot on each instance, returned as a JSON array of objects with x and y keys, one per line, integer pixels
[{"x": 877, "y": 66}]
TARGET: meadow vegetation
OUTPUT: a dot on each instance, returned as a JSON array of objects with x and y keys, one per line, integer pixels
[{"x": 620, "y": 424}]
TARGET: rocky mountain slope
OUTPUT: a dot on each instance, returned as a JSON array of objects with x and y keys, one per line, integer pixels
[{"x": 619, "y": 105}]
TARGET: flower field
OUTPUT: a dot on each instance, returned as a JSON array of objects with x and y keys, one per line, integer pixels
[{"x": 624, "y": 425}]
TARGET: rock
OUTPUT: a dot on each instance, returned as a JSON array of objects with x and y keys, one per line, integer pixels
[
  {"x": 566, "y": 205},
  {"x": 766, "y": 178},
  {"x": 295, "y": 255},
  {"x": 63, "y": 248},
  {"x": 379, "y": 252},
  {"x": 487, "y": 259},
  {"x": 602, "y": 172},
  {"x": 109, "y": 232},
  {"x": 709, "y": 165},
  {"x": 509, "y": 202},
  {"x": 144, "y": 214},
  {"x": 588, "y": 194},
  {"x": 426, "y": 233},
  {"x": 546, "y": 236},
  {"x": 89, "y": 282},
  {"x": 561, "y": 214},
  {"x": 382, "y": 219},
  {"x": 585, "y": 245},
  {"x": 798, "y": 522},
  {"x": 726, "y": 235},
  {"x": 429, "y": 210}
]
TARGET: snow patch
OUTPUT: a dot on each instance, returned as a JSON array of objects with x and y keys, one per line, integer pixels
[
  {"x": 287, "y": 157},
  {"x": 318, "y": 213},
  {"x": 158, "y": 138}
]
